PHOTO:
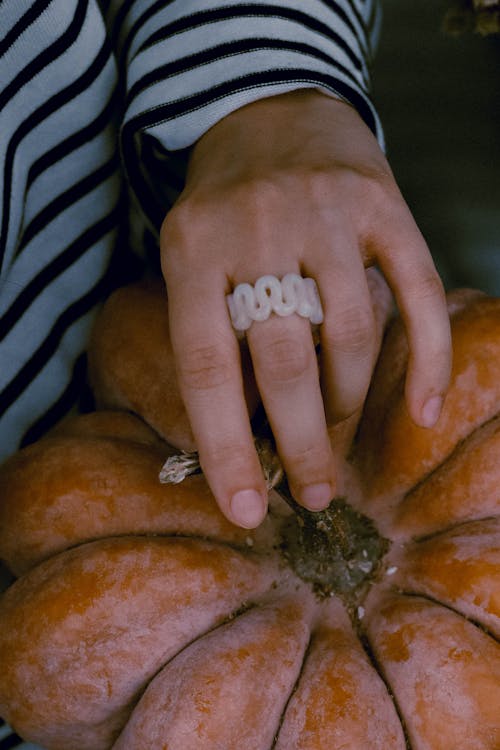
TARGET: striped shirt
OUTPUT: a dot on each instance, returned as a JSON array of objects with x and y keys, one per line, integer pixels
[{"x": 96, "y": 101}]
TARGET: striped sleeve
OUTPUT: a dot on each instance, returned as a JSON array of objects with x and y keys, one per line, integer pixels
[
  {"x": 188, "y": 63},
  {"x": 59, "y": 194}
]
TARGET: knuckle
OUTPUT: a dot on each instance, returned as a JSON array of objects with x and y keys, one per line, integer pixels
[
  {"x": 184, "y": 230},
  {"x": 283, "y": 361},
  {"x": 204, "y": 368},
  {"x": 318, "y": 181},
  {"x": 308, "y": 462},
  {"x": 372, "y": 183},
  {"x": 353, "y": 331},
  {"x": 176, "y": 222},
  {"x": 262, "y": 190},
  {"x": 225, "y": 460},
  {"x": 429, "y": 287},
  {"x": 382, "y": 202},
  {"x": 261, "y": 197},
  {"x": 226, "y": 455},
  {"x": 309, "y": 457},
  {"x": 377, "y": 182},
  {"x": 347, "y": 407}
]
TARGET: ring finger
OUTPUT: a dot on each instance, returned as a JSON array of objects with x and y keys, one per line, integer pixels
[{"x": 348, "y": 333}]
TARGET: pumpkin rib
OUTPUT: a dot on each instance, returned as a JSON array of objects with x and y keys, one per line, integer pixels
[
  {"x": 114, "y": 490},
  {"x": 418, "y": 508},
  {"x": 427, "y": 652},
  {"x": 468, "y": 454},
  {"x": 377, "y": 666},
  {"x": 112, "y": 424},
  {"x": 339, "y": 697},
  {"x": 393, "y": 452},
  {"x": 410, "y": 594},
  {"x": 458, "y": 448},
  {"x": 119, "y": 380},
  {"x": 293, "y": 690},
  {"x": 388, "y": 381},
  {"x": 388, "y": 378},
  {"x": 194, "y": 537},
  {"x": 241, "y": 611},
  {"x": 453, "y": 527},
  {"x": 209, "y": 631},
  {"x": 208, "y": 671},
  {"x": 119, "y": 563}
]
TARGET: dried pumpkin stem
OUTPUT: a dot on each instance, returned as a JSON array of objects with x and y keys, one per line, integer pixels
[
  {"x": 176, "y": 468},
  {"x": 337, "y": 550}
]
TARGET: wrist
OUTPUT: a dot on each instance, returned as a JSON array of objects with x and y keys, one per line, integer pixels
[{"x": 304, "y": 127}]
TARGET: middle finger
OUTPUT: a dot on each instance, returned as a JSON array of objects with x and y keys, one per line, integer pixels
[{"x": 286, "y": 371}]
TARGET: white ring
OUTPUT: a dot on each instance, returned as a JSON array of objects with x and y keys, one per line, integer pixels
[{"x": 293, "y": 294}]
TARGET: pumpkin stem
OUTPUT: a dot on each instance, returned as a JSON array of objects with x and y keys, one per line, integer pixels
[
  {"x": 181, "y": 465},
  {"x": 338, "y": 550},
  {"x": 176, "y": 468}
]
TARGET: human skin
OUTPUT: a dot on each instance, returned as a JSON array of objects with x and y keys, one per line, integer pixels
[{"x": 293, "y": 183}]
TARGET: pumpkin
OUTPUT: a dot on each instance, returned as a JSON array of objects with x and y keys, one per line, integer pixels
[{"x": 141, "y": 618}]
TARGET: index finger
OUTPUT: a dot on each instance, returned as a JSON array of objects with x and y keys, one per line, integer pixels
[{"x": 210, "y": 378}]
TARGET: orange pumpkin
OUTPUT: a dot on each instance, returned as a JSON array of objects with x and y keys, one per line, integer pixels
[{"x": 143, "y": 619}]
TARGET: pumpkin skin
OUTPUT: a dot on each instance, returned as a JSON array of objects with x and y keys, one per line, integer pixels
[
  {"x": 142, "y": 618},
  {"x": 131, "y": 364}
]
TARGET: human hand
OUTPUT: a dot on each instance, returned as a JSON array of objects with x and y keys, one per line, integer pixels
[{"x": 294, "y": 183}]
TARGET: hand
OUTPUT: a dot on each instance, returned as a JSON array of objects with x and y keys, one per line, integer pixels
[{"x": 293, "y": 183}]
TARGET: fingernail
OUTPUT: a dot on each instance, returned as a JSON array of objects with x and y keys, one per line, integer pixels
[
  {"x": 248, "y": 508},
  {"x": 431, "y": 411},
  {"x": 316, "y": 496}
]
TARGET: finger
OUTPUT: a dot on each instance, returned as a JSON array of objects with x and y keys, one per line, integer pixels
[
  {"x": 420, "y": 297},
  {"x": 209, "y": 373},
  {"x": 342, "y": 434},
  {"x": 348, "y": 332},
  {"x": 286, "y": 371}
]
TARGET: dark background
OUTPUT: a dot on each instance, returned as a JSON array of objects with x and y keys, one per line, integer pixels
[{"x": 439, "y": 100}]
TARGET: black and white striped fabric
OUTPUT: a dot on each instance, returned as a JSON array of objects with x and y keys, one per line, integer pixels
[{"x": 99, "y": 104}]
